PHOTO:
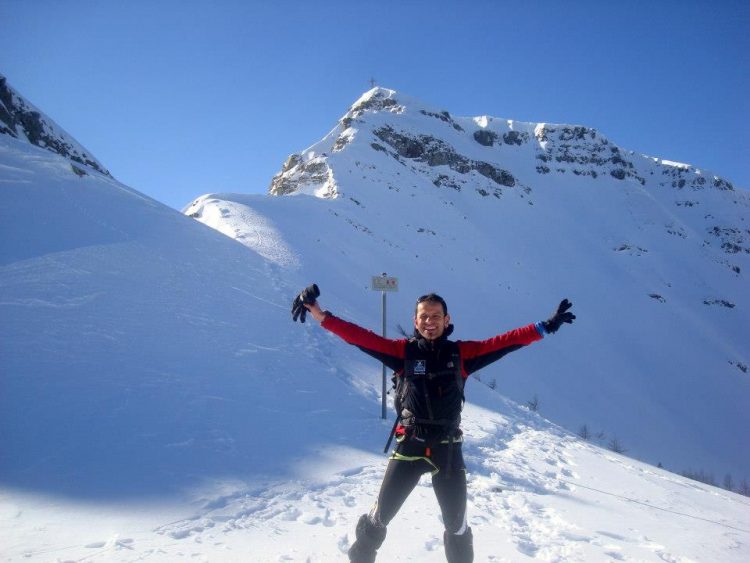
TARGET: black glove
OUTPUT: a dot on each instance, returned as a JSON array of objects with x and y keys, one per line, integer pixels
[
  {"x": 308, "y": 296},
  {"x": 562, "y": 315}
]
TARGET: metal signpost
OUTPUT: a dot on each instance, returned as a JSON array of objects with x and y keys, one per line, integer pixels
[{"x": 383, "y": 283}]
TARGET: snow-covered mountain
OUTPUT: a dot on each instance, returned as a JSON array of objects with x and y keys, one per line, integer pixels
[
  {"x": 504, "y": 219},
  {"x": 158, "y": 404},
  {"x": 22, "y": 120}
]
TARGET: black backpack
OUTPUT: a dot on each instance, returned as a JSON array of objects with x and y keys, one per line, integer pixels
[{"x": 413, "y": 379}]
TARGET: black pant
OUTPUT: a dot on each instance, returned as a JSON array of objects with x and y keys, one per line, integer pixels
[{"x": 402, "y": 476}]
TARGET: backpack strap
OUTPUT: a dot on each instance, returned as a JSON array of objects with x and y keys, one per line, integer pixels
[
  {"x": 392, "y": 434},
  {"x": 396, "y": 403}
]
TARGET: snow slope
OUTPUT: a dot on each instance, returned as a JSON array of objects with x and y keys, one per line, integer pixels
[
  {"x": 504, "y": 219},
  {"x": 158, "y": 404}
]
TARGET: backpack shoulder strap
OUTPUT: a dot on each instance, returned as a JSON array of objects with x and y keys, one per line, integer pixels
[
  {"x": 399, "y": 386},
  {"x": 455, "y": 354}
]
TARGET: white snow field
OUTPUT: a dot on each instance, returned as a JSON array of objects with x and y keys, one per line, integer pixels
[{"x": 158, "y": 404}]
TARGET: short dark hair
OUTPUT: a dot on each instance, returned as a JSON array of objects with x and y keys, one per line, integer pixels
[{"x": 431, "y": 298}]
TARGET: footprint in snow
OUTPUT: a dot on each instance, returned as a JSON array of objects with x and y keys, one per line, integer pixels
[
  {"x": 576, "y": 537},
  {"x": 478, "y": 520},
  {"x": 613, "y": 536},
  {"x": 344, "y": 543},
  {"x": 527, "y": 547},
  {"x": 433, "y": 544},
  {"x": 326, "y": 520},
  {"x": 291, "y": 514},
  {"x": 113, "y": 543},
  {"x": 648, "y": 544},
  {"x": 569, "y": 473}
]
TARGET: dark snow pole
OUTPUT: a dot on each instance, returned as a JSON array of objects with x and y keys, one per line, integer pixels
[
  {"x": 382, "y": 284},
  {"x": 382, "y": 307}
]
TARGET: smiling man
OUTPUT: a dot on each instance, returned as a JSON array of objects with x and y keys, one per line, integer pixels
[{"x": 431, "y": 372}]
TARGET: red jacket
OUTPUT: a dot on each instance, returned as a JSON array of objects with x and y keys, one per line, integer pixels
[{"x": 475, "y": 354}]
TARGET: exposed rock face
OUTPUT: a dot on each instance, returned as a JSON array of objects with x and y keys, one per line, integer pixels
[
  {"x": 485, "y": 138},
  {"x": 685, "y": 176},
  {"x": 732, "y": 239},
  {"x": 296, "y": 174},
  {"x": 442, "y": 116},
  {"x": 515, "y": 138},
  {"x": 583, "y": 152},
  {"x": 490, "y": 138},
  {"x": 435, "y": 152},
  {"x": 20, "y": 119}
]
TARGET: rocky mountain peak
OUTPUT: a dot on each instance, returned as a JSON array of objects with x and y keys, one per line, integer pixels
[
  {"x": 485, "y": 153},
  {"x": 377, "y": 99}
]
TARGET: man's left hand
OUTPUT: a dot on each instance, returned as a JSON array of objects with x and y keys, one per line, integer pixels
[{"x": 562, "y": 315}]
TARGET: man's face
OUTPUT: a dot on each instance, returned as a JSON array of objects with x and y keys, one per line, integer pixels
[{"x": 430, "y": 321}]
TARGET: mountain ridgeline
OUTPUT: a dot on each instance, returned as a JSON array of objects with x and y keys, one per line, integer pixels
[{"x": 21, "y": 120}]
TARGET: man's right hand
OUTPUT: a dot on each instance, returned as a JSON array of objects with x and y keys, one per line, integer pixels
[
  {"x": 304, "y": 301},
  {"x": 316, "y": 312}
]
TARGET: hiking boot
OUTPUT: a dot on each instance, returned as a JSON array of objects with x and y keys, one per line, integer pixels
[
  {"x": 459, "y": 549},
  {"x": 369, "y": 538}
]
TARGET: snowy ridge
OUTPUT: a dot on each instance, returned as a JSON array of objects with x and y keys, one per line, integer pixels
[
  {"x": 22, "y": 120},
  {"x": 159, "y": 405},
  {"x": 232, "y": 219}
]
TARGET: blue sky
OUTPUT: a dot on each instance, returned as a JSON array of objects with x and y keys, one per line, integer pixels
[{"x": 182, "y": 98}]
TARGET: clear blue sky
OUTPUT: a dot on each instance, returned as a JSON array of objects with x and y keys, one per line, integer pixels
[{"x": 182, "y": 98}]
